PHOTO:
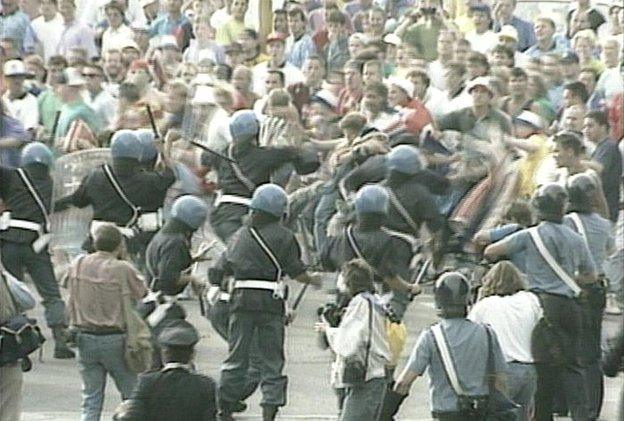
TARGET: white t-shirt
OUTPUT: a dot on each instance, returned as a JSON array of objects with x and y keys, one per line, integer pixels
[
  {"x": 482, "y": 43},
  {"x": 49, "y": 34},
  {"x": 513, "y": 318},
  {"x": 24, "y": 109}
]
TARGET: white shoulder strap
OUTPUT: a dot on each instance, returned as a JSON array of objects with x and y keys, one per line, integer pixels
[
  {"x": 249, "y": 185},
  {"x": 578, "y": 223},
  {"x": 267, "y": 251},
  {"x": 113, "y": 180},
  {"x": 353, "y": 244},
  {"x": 35, "y": 196},
  {"x": 394, "y": 200},
  {"x": 561, "y": 273},
  {"x": 447, "y": 361}
]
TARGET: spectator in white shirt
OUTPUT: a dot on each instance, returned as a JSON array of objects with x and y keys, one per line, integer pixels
[
  {"x": 101, "y": 101},
  {"x": 276, "y": 49},
  {"x": 513, "y": 313},
  {"x": 48, "y": 27},
  {"x": 432, "y": 97},
  {"x": 482, "y": 38},
  {"x": 19, "y": 104},
  {"x": 117, "y": 32}
]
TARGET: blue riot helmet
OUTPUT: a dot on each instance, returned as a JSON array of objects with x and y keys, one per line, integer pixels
[
  {"x": 371, "y": 199},
  {"x": 189, "y": 210},
  {"x": 126, "y": 144},
  {"x": 244, "y": 125},
  {"x": 550, "y": 201},
  {"x": 404, "y": 159},
  {"x": 270, "y": 198},
  {"x": 149, "y": 151},
  {"x": 451, "y": 294},
  {"x": 37, "y": 153}
]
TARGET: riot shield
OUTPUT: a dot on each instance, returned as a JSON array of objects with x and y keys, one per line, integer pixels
[{"x": 71, "y": 226}]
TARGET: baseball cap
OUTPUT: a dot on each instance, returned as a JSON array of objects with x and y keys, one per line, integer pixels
[
  {"x": 404, "y": 84},
  {"x": 530, "y": 118},
  {"x": 72, "y": 77},
  {"x": 508, "y": 31},
  {"x": 479, "y": 81},
  {"x": 168, "y": 41},
  {"x": 276, "y": 36},
  {"x": 15, "y": 68}
]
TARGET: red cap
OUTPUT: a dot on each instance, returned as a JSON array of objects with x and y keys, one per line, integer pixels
[
  {"x": 139, "y": 64},
  {"x": 276, "y": 36}
]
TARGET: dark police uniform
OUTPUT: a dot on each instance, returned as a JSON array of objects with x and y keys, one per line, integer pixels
[
  {"x": 256, "y": 313},
  {"x": 175, "y": 392},
  {"x": 389, "y": 253},
  {"x": 254, "y": 166},
  {"x": 146, "y": 190},
  {"x": 27, "y": 223}
]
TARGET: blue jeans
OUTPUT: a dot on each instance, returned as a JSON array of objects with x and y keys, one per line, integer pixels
[
  {"x": 97, "y": 357},
  {"x": 521, "y": 385}
]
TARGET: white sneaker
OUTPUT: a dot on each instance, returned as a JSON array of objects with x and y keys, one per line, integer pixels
[{"x": 612, "y": 306}]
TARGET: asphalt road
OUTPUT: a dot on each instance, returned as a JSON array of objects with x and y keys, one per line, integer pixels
[{"x": 52, "y": 388}]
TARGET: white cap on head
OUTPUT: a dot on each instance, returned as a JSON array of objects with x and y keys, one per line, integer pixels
[
  {"x": 73, "y": 77},
  {"x": 404, "y": 84},
  {"x": 508, "y": 31},
  {"x": 531, "y": 118},
  {"x": 480, "y": 81},
  {"x": 15, "y": 68}
]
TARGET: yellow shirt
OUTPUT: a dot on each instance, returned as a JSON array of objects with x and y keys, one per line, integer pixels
[
  {"x": 528, "y": 165},
  {"x": 229, "y": 32}
]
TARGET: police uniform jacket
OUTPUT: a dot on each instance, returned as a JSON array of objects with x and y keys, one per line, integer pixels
[
  {"x": 145, "y": 189},
  {"x": 599, "y": 235},
  {"x": 168, "y": 255},
  {"x": 257, "y": 164},
  {"x": 388, "y": 253},
  {"x": 173, "y": 394},
  {"x": 20, "y": 202},
  {"x": 245, "y": 259},
  {"x": 417, "y": 200}
]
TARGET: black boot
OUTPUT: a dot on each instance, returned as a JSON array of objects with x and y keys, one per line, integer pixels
[
  {"x": 61, "y": 350},
  {"x": 269, "y": 412}
]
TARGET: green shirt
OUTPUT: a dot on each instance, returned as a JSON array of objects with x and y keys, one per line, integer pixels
[
  {"x": 77, "y": 111},
  {"x": 464, "y": 121},
  {"x": 49, "y": 104},
  {"x": 424, "y": 37}
]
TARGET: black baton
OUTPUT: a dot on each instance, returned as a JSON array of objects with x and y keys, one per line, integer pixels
[
  {"x": 215, "y": 153},
  {"x": 57, "y": 117},
  {"x": 152, "y": 121}
]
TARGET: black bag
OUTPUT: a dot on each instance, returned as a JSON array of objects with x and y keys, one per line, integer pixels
[
  {"x": 548, "y": 341},
  {"x": 354, "y": 372},
  {"x": 19, "y": 337}
]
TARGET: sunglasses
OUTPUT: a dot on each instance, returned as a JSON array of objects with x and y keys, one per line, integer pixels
[{"x": 90, "y": 75}]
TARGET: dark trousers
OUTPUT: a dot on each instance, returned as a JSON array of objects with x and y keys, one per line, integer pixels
[
  {"x": 20, "y": 258},
  {"x": 268, "y": 330},
  {"x": 564, "y": 313}
]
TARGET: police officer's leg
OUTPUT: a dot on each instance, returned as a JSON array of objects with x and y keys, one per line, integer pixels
[
  {"x": 235, "y": 366},
  {"x": 271, "y": 347},
  {"x": 547, "y": 376},
  {"x": 219, "y": 315},
  {"x": 254, "y": 372},
  {"x": 12, "y": 258},
  {"x": 592, "y": 311},
  {"x": 93, "y": 376}
]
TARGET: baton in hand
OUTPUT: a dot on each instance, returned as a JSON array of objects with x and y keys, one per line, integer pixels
[
  {"x": 57, "y": 117},
  {"x": 152, "y": 121},
  {"x": 211, "y": 151}
]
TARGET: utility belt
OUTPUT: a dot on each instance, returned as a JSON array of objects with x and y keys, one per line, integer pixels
[
  {"x": 146, "y": 222},
  {"x": 43, "y": 237},
  {"x": 231, "y": 198},
  {"x": 100, "y": 332},
  {"x": 278, "y": 288}
]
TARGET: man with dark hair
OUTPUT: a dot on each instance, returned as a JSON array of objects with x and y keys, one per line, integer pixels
[
  {"x": 336, "y": 51},
  {"x": 607, "y": 156},
  {"x": 276, "y": 49},
  {"x": 176, "y": 391},
  {"x": 314, "y": 74},
  {"x": 101, "y": 101},
  {"x": 299, "y": 45},
  {"x": 98, "y": 286},
  {"x": 375, "y": 104},
  {"x": 351, "y": 95},
  {"x": 596, "y": 100},
  {"x": 574, "y": 93}
]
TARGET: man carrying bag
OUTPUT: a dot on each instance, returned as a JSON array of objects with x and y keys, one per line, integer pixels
[{"x": 102, "y": 290}]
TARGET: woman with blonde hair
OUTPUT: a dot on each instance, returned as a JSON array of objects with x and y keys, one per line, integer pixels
[
  {"x": 584, "y": 45},
  {"x": 513, "y": 313}
]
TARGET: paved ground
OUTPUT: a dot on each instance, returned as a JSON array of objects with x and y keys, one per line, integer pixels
[{"x": 52, "y": 389}]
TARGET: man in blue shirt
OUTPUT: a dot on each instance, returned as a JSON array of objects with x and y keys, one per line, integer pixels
[
  {"x": 15, "y": 24},
  {"x": 173, "y": 22},
  {"x": 12, "y": 138}
]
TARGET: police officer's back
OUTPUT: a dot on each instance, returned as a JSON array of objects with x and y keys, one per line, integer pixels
[
  {"x": 471, "y": 347},
  {"x": 175, "y": 392}
]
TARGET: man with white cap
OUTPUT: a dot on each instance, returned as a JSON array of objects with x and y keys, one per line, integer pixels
[
  {"x": 74, "y": 108},
  {"x": 412, "y": 115},
  {"x": 504, "y": 16},
  {"x": 19, "y": 104}
]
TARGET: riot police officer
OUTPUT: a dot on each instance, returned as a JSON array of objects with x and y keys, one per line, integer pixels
[
  {"x": 597, "y": 233},
  {"x": 123, "y": 194},
  {"x": 246, "y": 167},
  {"x": 388, "y": 252},
  {"x": 470, "y": 347},
  {"x": 258, "y": 255},
  {"x": 149, "y": 153},
  {"x": 25, "y": 231},
  {"x": 168, "y": 258},
  {"x": 554, "y": 253},
  {"x": 175, "y": 392}
]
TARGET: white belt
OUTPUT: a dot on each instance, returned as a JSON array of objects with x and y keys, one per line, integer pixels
[
  {"x": 230, "y": 198},
  {"x": 95, "y": 224},
  {"x": 224, "y": 296},
  {"x": 7, "y": 222},
  {"x": 252, "y": 284},
  {"x": 150, "y": 221}
]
